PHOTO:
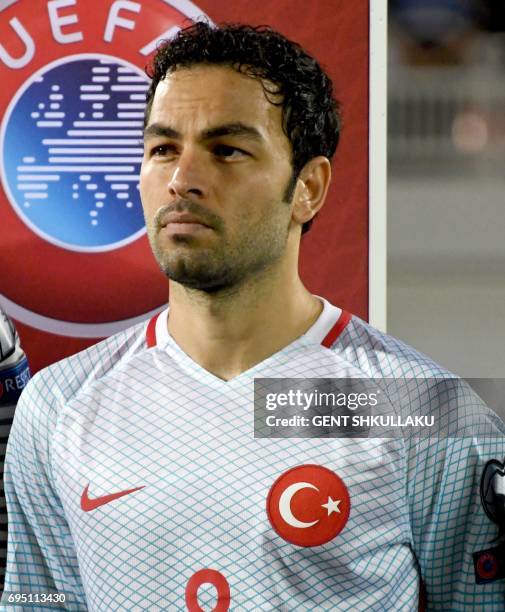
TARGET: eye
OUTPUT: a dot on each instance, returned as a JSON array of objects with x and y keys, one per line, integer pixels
[
  {"x": 229, "y": 152},
  {"x": 163, "y": 150}
]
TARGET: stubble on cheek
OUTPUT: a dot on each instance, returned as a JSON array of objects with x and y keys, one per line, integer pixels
[{"x": 224, "y": 258}]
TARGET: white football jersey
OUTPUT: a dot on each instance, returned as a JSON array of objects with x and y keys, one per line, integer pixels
[{"x": 134, "y": 482}]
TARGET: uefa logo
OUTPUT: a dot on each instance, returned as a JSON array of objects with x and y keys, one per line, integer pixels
[
  {"x": 75, "y": 259},
  {"x": 75, "y": 180}
]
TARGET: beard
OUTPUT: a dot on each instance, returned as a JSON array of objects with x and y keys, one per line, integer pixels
[
  {"x": 229, "y": 262},
  {"x": 225, "y": 266}
]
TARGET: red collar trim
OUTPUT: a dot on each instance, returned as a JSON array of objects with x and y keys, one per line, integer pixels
[
  {"x": 337, "y": 329},
  {"x": 330, "y": 338},
  {"x": 151, "y": 331}
]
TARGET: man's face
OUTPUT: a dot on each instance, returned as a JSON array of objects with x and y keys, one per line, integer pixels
[{"x": 216, "y": 169}]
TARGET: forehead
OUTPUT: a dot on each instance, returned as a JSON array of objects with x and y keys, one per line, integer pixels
[{"x": 202, "y": 96}]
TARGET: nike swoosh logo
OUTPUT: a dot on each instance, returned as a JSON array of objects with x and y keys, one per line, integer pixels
[{"x": 88, "y": 504}]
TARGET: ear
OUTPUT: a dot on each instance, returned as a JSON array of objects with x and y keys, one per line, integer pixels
[{"x": 311, "y": 189}]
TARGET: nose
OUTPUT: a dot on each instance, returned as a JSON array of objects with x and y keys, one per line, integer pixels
[{"x": 190, "y": 177}]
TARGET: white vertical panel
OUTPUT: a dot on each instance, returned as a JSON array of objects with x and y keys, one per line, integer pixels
[{"x": 377, "y": 280}]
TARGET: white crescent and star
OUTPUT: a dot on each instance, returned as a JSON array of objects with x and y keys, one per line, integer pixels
[
  {"x": 285, "y": 505},
  {"x": 332, "y": 505}
]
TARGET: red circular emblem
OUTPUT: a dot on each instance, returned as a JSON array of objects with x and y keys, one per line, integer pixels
[
  {"x": 77, "y": 141},
  {"x": 208, "y": 576},
  {"x": 308, "y": 505},
  {"x": 487, "y": 567}
]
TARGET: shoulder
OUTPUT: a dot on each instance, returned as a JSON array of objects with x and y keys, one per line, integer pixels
[
  {"x": 64, "y": 379},
  {"x": 417, "y": 384},
  {"x": 381, "y": 355},
  {"x": 42, "y": 403}
]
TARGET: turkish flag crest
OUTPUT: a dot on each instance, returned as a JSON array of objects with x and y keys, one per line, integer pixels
[{"x": 308, "y": 505}]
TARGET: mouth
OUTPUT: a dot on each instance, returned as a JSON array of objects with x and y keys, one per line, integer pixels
[
  {"x": 183, "y": 223},
  {"x": 182, "y": 219}
]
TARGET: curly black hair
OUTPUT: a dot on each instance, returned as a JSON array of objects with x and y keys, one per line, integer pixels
[{"x": 310, "y": 113}]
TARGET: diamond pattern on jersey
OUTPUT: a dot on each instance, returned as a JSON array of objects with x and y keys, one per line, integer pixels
[{"x": 120, "y": 416}]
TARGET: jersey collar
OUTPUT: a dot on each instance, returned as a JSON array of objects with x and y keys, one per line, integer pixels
[{"x": 329, "y": 325}]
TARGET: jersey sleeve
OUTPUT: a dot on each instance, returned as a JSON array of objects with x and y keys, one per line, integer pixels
[
  {"x": 449, "y": 523},
  {"x": 41, "y": 557}
]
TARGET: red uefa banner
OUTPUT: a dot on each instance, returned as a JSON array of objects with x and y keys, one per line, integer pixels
[{"x": 75, "y": 264}]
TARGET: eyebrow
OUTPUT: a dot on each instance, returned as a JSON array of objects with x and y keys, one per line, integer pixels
[{"x": 227, "y": 129}]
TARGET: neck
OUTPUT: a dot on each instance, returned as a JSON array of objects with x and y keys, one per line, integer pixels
[{"x": 229, "y": 332}]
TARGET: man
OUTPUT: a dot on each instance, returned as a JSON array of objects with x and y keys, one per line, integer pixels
[{"x": 134, "y": 477}]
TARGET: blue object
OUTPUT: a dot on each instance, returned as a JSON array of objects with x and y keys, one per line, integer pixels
[{"x": 72, "y": 149}]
